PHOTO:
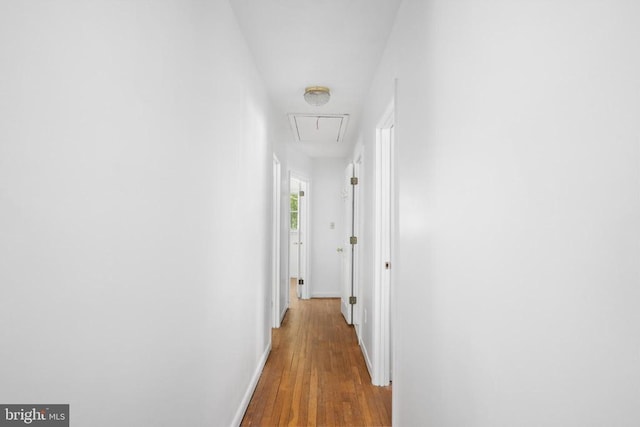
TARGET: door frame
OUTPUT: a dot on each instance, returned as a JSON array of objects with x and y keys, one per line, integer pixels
[
  {"x": 275, "y": 241},
  {"x": 357, "y": 230},
  {"x": 303, "y": 229},
  {"x": 348, "y": 249},
  {"x": 384, "y": 244}
]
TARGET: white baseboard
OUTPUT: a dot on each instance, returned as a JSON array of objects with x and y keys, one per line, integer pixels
[
  {"x": 344, "y": 308},
  {"x": 252, "y": 387},
  {"x": 367, "y": 360},
  {"x": 326, "y": 295},
  {"x": 284, "y": 312}
]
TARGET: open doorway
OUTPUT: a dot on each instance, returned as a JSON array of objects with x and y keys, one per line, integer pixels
[
  {"x": 275, "y": 243},
  {"x": 298, "y": 234}
]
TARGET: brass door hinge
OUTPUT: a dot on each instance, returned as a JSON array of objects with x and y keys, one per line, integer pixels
[
  {"x": 353, "y": 300},
  {"x": 353, "y": 240},
  {"x": 354, "y": 180}
]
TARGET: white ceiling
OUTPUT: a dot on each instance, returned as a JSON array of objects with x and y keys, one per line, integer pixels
[{"x": 333, "y": 43}]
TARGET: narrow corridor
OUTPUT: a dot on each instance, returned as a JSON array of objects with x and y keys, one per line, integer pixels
[{"x": 316, "y": 374}]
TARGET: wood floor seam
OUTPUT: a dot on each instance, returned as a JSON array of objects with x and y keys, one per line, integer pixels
[{"x": 316, "y": 374}]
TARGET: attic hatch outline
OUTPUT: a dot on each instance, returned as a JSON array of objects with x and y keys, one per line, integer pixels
[{"x": 298, "y": 120}]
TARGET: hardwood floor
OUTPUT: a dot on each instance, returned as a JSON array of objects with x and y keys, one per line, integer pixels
[{"x": 316, "y": 374}]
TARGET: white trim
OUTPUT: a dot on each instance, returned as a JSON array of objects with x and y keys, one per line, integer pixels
[
  {"x": 367, "y": 360},
  {"x": 283, "y": 313},
  {"x": 347, "y": 259},
  {"x": 358, "y": 152},
  {"x": 294, "y": 125},
  {"x": 326, "y": 295},
  {"x": 395, "y": 209},
  {"x": 275, "y": 243},
  {"x": 395, "y": 232},
  {"x": 357, "y": 231},
  {"x": 306, "y": 221},
  {"x": 345, "y": 307},
  {"x": 244, "y": 404},
  {"x": 383, "y": 245},
  {"x": 358, "y": 167}
]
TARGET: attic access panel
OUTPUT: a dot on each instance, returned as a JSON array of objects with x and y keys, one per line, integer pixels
[{"x": 318, "y": 127}]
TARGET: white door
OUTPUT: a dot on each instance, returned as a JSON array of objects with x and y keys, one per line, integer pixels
[
  {"x": 294, "y": 221},
  {"x": 303, "y": 227},
  {"x": 298, "y": 234},
  {"x": 356, "y": 230},
  {"x": 293, "y": 252},
  {"x": 347, "y": 247},
  {"x": 294, "y": 232}
]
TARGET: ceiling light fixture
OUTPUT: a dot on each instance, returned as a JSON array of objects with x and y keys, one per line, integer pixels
[{"x": 317, "y": 95}]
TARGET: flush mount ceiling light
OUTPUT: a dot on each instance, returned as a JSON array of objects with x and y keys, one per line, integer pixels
[{"x": 317, "y": 95}]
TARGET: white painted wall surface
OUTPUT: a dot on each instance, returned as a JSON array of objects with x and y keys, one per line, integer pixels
[
  {"x": 326, "y": 208},
  {"x": 297, "y": 160},
  {"x": 131, "y": 136},
  {"x": 518, "y": 273}
]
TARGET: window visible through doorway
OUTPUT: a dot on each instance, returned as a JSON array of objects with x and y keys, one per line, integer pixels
[{"x": 294, "y": 211}]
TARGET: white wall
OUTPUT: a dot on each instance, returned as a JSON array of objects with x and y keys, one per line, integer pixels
[
  {"x": 518, "y": 273},
  {"x": 131, "y": 134},
  {"x": 327, "y": 208},
  {"x": 297, "y": 161}
]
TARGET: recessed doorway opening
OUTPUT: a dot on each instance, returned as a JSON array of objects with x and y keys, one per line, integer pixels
[{"x": 298, "y": 233}]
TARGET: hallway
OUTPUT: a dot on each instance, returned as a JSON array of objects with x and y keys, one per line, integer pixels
[
  {"x": 147, "y": 150},
  {"x": 316, "y": 374}
]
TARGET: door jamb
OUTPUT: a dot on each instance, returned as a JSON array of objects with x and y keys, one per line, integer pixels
[
  {"x": 303, "y": 223},
  {"x": 356, "y": 318},
  {"x": 275, "y": 243},
  {"x": 383, "y": 251}
]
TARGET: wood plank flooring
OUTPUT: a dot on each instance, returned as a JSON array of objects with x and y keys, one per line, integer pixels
[{"x": 316, "y": 374}]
